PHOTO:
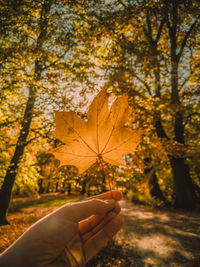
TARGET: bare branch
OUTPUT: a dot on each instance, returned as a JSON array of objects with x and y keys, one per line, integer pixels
[
  {"x": 149, "y": 25},
  {"x": 160, "y": 29},
  {"x": 144, "y": 83},
  {"x": 146, "y": 32},
  {"x": 54, "y": 63},
  {"x": 186, "y": 37},
  {"x": 6, "y": 123}
]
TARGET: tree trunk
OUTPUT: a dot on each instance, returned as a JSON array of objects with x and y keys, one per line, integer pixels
[
  {"x": 184, "y": 189},
  {"x": 183, "y": 186},
  {"x": 185, "y": 196},
  {"x": 69, "y": 188},
  {"x": 56, "y": 187},
  {"x": 40, "y": 185},
  {"x": 83, "y": 189},
  {"x": 6, "y": 189},
  {"x": 63, "y": 186},
  {"x": 48, "y": 187},
  {"x": 154, "y": 186}
]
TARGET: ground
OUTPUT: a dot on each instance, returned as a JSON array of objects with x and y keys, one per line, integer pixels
[
  {"x": 153, "y": 237},
  {"x": 150, "y": 237}
]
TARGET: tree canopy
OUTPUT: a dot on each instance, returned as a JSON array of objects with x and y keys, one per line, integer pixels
[{"x": 56, "y": 54}]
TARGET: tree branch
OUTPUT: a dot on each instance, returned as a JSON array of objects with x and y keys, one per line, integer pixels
[
  {"x": 6, "y": 123},
  {"x": 160, "y": 29},
  {"x": 149, "y": 26},
  {"x": 186, "y": 37},
  {"x": 54, "y": 63},
  {"x": 144, "y": 83},
  {"x": 146, "y": 32}
]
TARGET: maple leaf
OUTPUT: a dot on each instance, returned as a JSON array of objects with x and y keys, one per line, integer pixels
[{"x": 102, "y": 136}]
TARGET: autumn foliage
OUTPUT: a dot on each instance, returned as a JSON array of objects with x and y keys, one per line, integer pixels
[
  {"x": 102, "y": 137},
  {"x": 56, "y": 55}
]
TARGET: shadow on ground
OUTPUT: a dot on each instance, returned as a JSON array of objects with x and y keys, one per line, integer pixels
[{"x": 153, "y": 238}]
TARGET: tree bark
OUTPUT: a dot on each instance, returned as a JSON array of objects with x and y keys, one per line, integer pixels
[
  {"x": 183, "y": 186},
  {"x": 154, "y": 187},
  {"x": 185, "y": 196},
  {"x": 40, "y": 185},
  {"x": 6, "y": 189}
]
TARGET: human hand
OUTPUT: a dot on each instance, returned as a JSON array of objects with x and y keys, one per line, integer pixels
[{"x": 69, "y": 236}]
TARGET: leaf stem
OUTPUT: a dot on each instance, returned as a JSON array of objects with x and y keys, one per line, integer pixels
[{"x": 101, "y": 162}]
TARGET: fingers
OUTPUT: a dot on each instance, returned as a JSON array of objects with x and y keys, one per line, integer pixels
[
  {"x": 107, "y": 217},
  {"x": 100, "y": 204},
  {"x": 94, "y": 244},
  {"x": 90, "y": 223},
  {"x": 115, "y": 194},
  {"x": 117, "y": 208},
  {"x": 79, "y": 211}
]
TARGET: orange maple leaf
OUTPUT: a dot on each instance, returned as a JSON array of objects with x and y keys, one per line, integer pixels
[{"x": 102, "y": 136}]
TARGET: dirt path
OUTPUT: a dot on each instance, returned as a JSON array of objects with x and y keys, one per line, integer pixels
[
  {"x": 150, "y": 237},
  {"x": 154, "y": 238}
]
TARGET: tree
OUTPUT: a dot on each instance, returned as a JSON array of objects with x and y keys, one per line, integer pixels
[
  {"x": 66, "y": 176},
  {"x": 41, "y": 46},
  {"x": 27, "y": 118},
  {"x": 146, "y": 49},
  {"x": 47, "y": 168}
]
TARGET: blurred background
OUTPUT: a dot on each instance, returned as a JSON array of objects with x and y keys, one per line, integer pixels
[{"x": 56, "y": 55}]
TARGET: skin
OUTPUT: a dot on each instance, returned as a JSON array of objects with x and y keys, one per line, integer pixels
[{"x": 69, "y": 236}]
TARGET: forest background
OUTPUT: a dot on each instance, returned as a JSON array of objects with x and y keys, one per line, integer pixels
[{"x": 56, "y": 55}]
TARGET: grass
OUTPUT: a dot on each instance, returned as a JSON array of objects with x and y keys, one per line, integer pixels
[
  {"x": 25, "y": 211},
  {"x": 46, "y": 200}
]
